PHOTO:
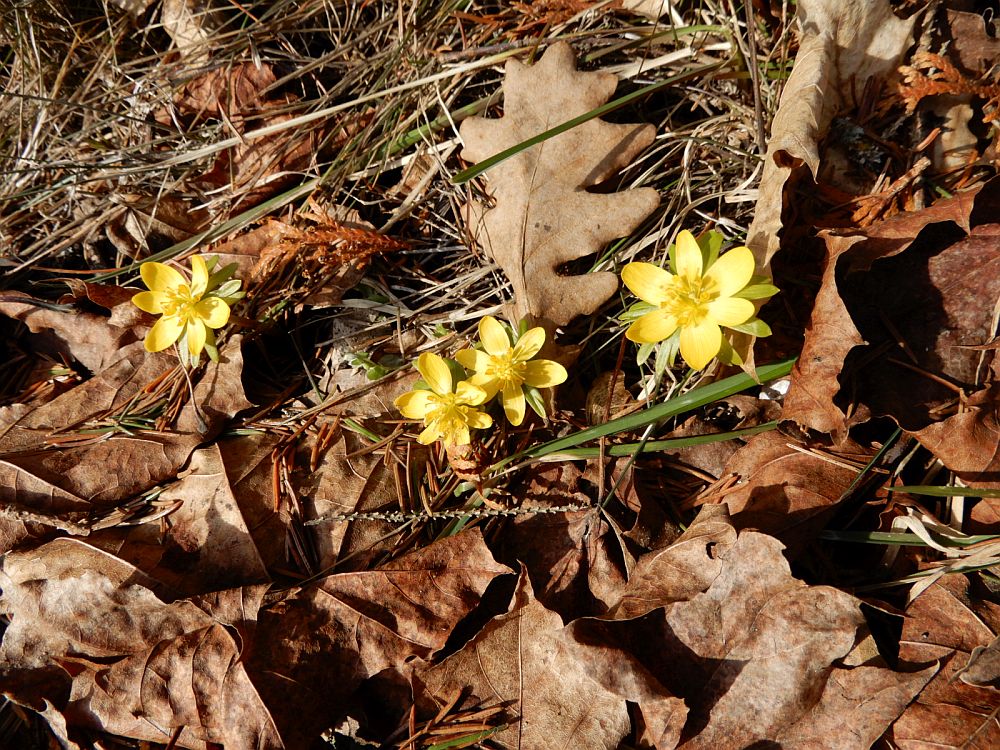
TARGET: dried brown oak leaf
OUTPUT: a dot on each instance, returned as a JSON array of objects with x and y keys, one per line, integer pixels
[{"x": 544, "y": 215}]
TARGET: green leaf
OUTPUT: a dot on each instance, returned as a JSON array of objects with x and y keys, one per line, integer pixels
[
  {"x": 710, "y": 244},
  {"x": 754, "y": 326},
  {"x": 458, "y": 372},
  {"x": 533, "y": 397},
  {"x": 643, "y": 354},
  {"x": 635, "y": 311},
  {"x": 757, "y": 291},
  {"x": 727, "y": 355}
]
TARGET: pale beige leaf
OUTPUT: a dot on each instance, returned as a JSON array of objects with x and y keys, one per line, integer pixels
[{"x": 544, "y": 216}]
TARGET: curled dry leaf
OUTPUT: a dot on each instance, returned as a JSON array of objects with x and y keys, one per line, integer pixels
[
  {"x": 900, "y": 304},
  {"x": 544, "y": 215},
  {"x": 720, "y": 621},
  {"x": 842, "y": 42},
  {"x": 945, "y": 625},
  {"x": 101, "y": 643},
  {"x": 788, "y": 490},
  {"x": 557, "y": 689},
  {"x": 320, "y": 642}
]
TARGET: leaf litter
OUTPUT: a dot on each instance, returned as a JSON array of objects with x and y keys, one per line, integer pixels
[{"x": 257, "y": 552}]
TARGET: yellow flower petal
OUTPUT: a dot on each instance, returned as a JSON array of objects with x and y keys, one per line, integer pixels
[
  {"x": 544, "y": 373},
  {"x": 652, "y": 327},
  {"x": 480, "y": 420},
  {"x": 689, "y": 260},
  {"x": 489, "y": 383},
  {"x": 213, "y": 311},
  {"x": 513, "y": 404},
  {"x": 195, "y": 336},
  {"x": 164, "y": 333},
  {"x": 528, "y": 345},
  {"x": 730, "y": 311},
  {"x": 435, "y": 372},
  {"x": 161, "y": 278},
  {"x": 493, "y": 336},
  {"x": 457, "y": 435},
  {"x": 151, "y": 302},
  {"x": 473, "y": 359},
  {"x": 470, "y": 394},
  {"x": 414, "y": 404},
  {"x": 647, "y": 282},
  {"x": 431, "y": 433},
  {"x": 732, "y": 271},
  {"x": 700, "y": 343},
  {"x": 199, "y": 276}
]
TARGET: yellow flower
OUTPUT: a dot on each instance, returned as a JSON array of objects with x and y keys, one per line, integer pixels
[
  {"x": 696, "y": 301},
  {"x": 506, "y": 369},
  {"x": 446, "y": 410},
  {"x": 188, "y": 310}
]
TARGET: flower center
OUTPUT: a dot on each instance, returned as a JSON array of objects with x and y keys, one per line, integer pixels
[
  {"x": 179, "y": 302},
  {"x": 506, "y": 369},
  {"x": 687, "y": 299}
]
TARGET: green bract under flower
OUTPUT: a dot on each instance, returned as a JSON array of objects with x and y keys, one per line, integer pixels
[
  {"x": 191, "y": 310},
  {"x": 507, "y": 369},
  {"x": 707, "y": 293},
  {"x": 447, "y": 409}
]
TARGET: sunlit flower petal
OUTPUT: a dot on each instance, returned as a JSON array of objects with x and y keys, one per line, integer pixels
[
  {"x": 489, "y": 383},
  {"x": 529, "y": 344},
  {"x": 435, "y": 372},
  {"x": 732, "y": 271},
  {"x": 161, "y": 278},
  {"x": 473, "y": 359},
  {"x": 513, "y": 404},
  {"x": 164, "y": 333},
  {"x": 544, "y": 373},
  {"x": 494, "y": 337},
  {"x": 195, "y": 336},
  {"x": 457, "y": 435},
  {"x": 730, "y": 311},
  {"x": 648, "y": 282},
  {"x": 199, "y": 276},
  {"x": 700, "y": 343},
  {"x": 151, "y": 302},
  {"x": 414, "y": 404},
  {"x": 652, "y": 327},
  {"x": 212, "y": 311},
  {"x": 430, "y": 433},
  {"x": 689, "y": 260},
  {"x": 480, "y": 420},
  {"x": 470, "y": 394}
]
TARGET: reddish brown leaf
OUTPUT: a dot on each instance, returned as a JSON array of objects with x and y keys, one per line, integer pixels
[
  {"x": 946, "y": 623},
  {"x": 908, "y": 287},
  {"x": 206, "y": 546},
  {"x": 786, "y": 492},
  {"x": 320, "y": 642}
]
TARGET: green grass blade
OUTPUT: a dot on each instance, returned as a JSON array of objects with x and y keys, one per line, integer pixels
[
  {"x": 693, "y": 399},
  {"x": 903, "y": 539},
  {"x": 936, "y": 491}
]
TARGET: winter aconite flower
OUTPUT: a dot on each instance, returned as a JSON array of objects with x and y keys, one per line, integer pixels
[
  {"x": 446, "y": 409},
  {"x": 190, "y": 309},
  {"x": 706, "y": 293},
  {"x": 507, "y": 369}
]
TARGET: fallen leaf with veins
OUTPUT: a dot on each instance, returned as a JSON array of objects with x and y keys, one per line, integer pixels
[
  {"x": 324, "y": 640},
  {"x": 944, "y": 625},
  {"x": 919, "y": 286},
  {"x": 544, "y": 215},
  {"x": 556, "y": 692},
  {"x": 95, "y": 638}
]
